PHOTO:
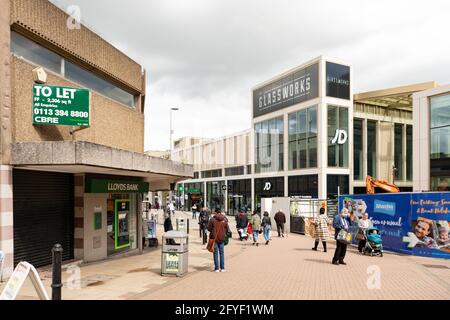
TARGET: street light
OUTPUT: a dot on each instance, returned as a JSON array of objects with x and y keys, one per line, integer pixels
[{"x": 171, "y": 131}]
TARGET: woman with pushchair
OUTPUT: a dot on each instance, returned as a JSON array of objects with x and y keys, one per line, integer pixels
[{"x": 363, "y": 225}]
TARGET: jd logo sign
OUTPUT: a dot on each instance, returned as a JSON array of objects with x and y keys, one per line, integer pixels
[
  {"x": 267, "y": 186},
  {"x": 340, "y": 137}
]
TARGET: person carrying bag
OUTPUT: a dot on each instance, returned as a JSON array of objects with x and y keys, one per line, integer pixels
[{"x": 218, "y": 228}]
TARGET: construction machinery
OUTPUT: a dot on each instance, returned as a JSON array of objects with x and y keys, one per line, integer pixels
[{"x": 371, "y": 183}]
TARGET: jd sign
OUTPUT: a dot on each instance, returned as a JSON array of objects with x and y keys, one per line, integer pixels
[{"x": 340, "y": 137}]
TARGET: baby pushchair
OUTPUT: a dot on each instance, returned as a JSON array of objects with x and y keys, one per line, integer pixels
[
  {"x": 243, "y": 235},
  {"x": 374, "y": 243}
]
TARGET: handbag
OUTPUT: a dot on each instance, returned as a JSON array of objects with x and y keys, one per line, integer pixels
[
  {"x": 360, "y": 235},
  {"x": 228, "y": 236},
  {"x": 344, "y": 236},
  {"x": 211, "y": 243}
]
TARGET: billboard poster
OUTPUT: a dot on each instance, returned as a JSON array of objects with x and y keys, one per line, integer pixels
[
  {"x": 410, "y": 223},
  {"x": 151, "y": 229}
]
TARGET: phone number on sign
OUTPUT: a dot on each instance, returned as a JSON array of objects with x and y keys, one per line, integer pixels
[{"x": 61, "y": 113}]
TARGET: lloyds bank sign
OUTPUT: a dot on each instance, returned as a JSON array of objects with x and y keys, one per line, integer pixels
[{"x": 298, "y": 86}]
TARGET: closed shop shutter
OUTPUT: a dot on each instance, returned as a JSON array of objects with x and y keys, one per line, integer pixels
[{"x": 43, "y": 215}]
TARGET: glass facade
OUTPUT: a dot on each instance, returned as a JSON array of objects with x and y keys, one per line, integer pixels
[
  {"x": 440, "y": 143},
  {"x": 215, "y": 194},
  {"x": 337, "y": 132},
  {"x": 409, "y": 149},
  {"x": 358, "y": 149},
  {"x": 303, "y": 139},
  {"x": 269, "y": 145},
  {"x": 268, "y": 188},
  {"x": 27, "y": 49},
  {"x": 372, "y": 148},
  {"x": 234, "y": 171},
  {"x": 239, "y": 195},
  {"x": 335, "y": 181},
  {"x": 398, "y": 151},
  {"x": 306, "y": 185}
]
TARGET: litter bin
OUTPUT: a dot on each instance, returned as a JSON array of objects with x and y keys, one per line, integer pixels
[
  {"x": 175, "y": 250},
  {"x": 183, "y": 225}
]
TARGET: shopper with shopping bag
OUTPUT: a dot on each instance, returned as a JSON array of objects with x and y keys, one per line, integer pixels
[{"x": 341, "y": 224}]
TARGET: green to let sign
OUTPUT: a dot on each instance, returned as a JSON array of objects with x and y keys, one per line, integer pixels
[{"x": 55, "y": 105}]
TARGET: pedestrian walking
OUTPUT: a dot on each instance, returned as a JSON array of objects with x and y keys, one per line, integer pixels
[
  {"x": 241, "y": 225},
  {"x": 321, "y": 230},
  {"x": 194, "y": 211},
  {"x": 256, "y": 227},
  {"x": 168, "y": 227},
  {"x": 218, "y": 227},
  {"x": 280, "y": 219},
  {"x": 341, "y": 222},
  {"x": 266, "y": 225},
  {"x": 203, "y": 220},
  {"x": 171, "y": 208}
]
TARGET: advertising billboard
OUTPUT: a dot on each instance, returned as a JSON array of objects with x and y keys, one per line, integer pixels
[{"x": 410, "y": 223}]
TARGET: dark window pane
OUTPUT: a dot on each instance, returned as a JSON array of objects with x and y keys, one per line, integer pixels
[
  {"x": 372, "y": 148},
  {"x": 358, "y": 149},
  {"x": 409, "y": 147},
  {"x": 35, "y": 53},
  {"x": 398, "y": 151},
  {"x": 94, "y": 82}
]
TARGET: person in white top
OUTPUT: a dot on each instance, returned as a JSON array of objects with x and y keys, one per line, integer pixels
[{"x": 363, "y": 224}]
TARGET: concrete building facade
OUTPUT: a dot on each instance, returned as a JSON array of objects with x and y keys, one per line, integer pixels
[{"x": 78, "y": 186}]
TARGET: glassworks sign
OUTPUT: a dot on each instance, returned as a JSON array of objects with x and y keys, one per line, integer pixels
[
  {"x": 60, "y": 105},
  {"x": 338, "y": 81},
  {"x": 296, "y": 87}
]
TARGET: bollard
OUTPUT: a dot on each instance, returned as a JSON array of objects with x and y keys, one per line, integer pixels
[{"x": 56, "y": 272}]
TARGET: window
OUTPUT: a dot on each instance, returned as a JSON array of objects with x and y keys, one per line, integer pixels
[
  {"x": 234, "y": 171},
  {"x": 196, "y": 175},
  {"x": 35, "y": 53},
  {"x": 409, "y": 148},
  {"x": 31, "y": 51},
  {"x": 91, "y": 81},
  {"x": 337, "y": 136},
  {"x": 440, "y": 143},
  {"x": 269, "y": 145},
  {"x": 398, "y": 151},
  {"x": 372, "y": 148},
  {"x": 357, "y": 149},
  {"x": 440, "y": 127},
  {"x": 212, "y": 173},
  {"x": 335, "y": 181},
  {"x": 303, "y": 139},
  {"x": 249, "y": 169},
  {"x": 306, "y": 185}
]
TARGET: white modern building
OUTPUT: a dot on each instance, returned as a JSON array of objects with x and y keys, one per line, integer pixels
[
  {"x": 310, "y": 137},
  {"x": 432, "y": 139}
]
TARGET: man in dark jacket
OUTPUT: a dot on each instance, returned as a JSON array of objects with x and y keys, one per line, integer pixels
[
  {"x": 217, "y": 227},
  {"x": 280, "y": 220},
  {"x": 340, "y": 221},
  {"x": 241, "y": 223}
]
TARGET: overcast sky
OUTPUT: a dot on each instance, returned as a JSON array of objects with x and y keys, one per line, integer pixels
[{"x": 204, "y": 56}]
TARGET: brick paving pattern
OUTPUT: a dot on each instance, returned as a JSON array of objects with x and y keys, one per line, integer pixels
[{"x": 287, "y": 268}]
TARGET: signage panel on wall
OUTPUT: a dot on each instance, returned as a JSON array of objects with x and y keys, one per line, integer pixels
[
  {"x": 296, "y": 87},
  {"x": 56, "y": 105},
  {"x": 115, "y": 186},
  {"x": 338, "y": 81}
]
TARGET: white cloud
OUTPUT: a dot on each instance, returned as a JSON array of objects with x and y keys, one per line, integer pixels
[{"x": 205, "y": 56}]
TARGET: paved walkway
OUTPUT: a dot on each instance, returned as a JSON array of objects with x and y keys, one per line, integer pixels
[{"x": 287, "y": 268}]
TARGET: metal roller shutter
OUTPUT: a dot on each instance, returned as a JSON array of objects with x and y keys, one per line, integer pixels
[{"x": 43, "y": 215}]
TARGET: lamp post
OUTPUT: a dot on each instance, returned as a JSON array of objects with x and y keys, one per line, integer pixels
[{"x": 171, "y": 131}]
